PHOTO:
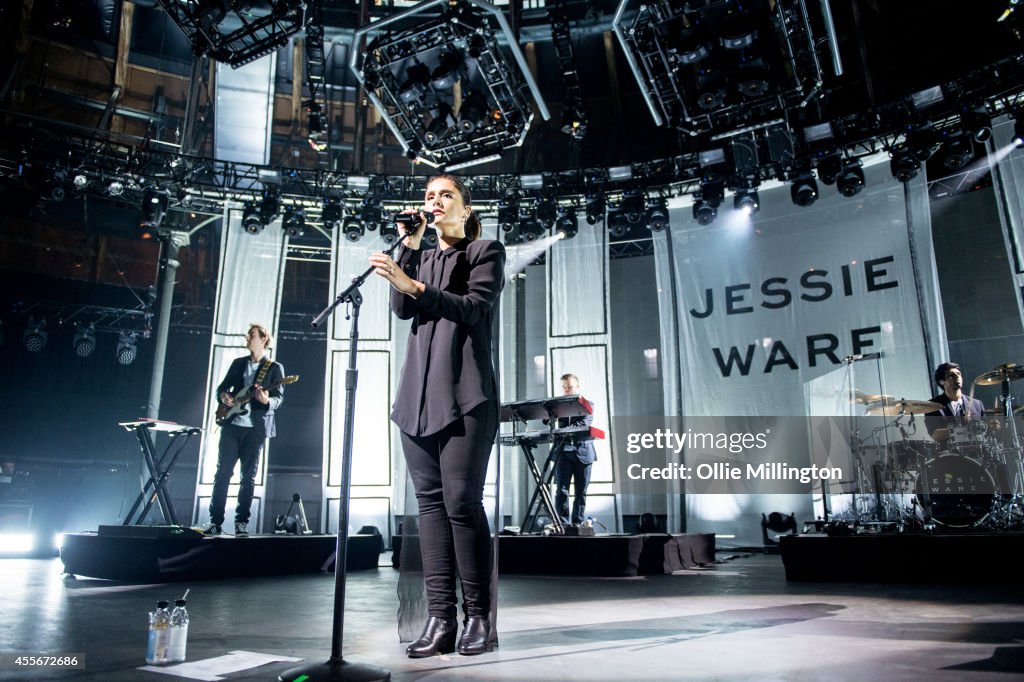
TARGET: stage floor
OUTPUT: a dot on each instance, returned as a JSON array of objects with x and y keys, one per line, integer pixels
[{"x": 738, "y": 619}]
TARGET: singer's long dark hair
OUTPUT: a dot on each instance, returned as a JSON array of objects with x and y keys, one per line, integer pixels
[{"x": 473, "y": 228}]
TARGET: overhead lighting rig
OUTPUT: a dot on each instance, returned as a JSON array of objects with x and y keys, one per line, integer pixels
[
  {"x": 236, "y": 32},
  {"x": 445, "y": 88},
  {"x": 714, "y": 66}
]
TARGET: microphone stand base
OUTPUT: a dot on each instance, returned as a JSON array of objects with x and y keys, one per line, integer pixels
[{"x": 335, "y": 671}]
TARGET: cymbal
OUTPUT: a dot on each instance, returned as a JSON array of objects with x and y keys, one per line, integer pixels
[
  {"x": 998, "y": 411},
  {"x": 1010, "y": 371},
  {"x": 891, "y": 408},
  {"x": 868, "y": 398}
]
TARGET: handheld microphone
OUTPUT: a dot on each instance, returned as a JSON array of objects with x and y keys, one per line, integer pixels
[{"x": 408, "y": 220}]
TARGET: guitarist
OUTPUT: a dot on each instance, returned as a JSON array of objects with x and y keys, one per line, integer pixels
[{"x": 242, "y": 437}]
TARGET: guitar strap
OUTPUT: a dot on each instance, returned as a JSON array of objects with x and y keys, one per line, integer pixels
[{"x": 264, "y": 368}]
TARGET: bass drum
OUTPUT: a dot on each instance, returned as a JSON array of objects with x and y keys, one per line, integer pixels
[{"x": 955, "y": 491}]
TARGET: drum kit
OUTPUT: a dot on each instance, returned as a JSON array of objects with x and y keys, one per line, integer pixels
[{"x": 971, "y": 479}]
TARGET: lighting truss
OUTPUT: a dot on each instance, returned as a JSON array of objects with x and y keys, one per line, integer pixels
[
  {"x": 236, "y": 33},
  {"x": 719, "y": 65},
  {"x": 574, "y": 115},
  {"x": 444, "y": 85}
]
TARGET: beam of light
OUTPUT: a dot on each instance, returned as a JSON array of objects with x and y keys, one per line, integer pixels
[
  {"x": 736, "y": 223},
  {"x": 991, "y": 160},
  {"x": 11, "y": 543},
  {"x": 521, "y": 255},
  {"x": 971, "y": 175}
]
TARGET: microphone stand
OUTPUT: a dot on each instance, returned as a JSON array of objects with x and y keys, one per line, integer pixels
[{"x": 336, "y": 668}]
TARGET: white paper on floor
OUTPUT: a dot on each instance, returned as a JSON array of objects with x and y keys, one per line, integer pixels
[{"x": 211, "y": 669}]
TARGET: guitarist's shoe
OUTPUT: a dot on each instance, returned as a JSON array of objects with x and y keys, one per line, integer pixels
[
  {"x": 212, "y": 529},
  {"x": 240, "y": 531}
]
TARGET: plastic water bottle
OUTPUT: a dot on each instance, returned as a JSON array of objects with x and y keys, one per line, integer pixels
[
  {"x": 159, "y": 634},
  {"x": 179, "y": 632}
]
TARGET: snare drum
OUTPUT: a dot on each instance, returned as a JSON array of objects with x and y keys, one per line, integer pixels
[{"x": 956, "y": 491}]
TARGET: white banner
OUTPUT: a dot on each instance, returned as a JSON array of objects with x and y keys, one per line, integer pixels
[{"x": 765, "y": 306}]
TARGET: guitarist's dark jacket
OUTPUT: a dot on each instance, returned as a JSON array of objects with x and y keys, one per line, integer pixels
[{"x": 262, "y": 415}]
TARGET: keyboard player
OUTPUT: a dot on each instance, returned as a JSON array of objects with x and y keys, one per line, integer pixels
[{"x": 573, "y": 460}]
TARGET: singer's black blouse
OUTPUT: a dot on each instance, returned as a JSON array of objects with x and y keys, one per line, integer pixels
[{"x": 448, "y": 368}]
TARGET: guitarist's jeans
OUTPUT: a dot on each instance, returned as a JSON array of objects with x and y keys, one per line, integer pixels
[
  {"x": 237, "y": 444},
  {"x": 448, "y": 470}
]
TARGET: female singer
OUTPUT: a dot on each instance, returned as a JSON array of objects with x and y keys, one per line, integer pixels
[{"x": 447, "y": 408}]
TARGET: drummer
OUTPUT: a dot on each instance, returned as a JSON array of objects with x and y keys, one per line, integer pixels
[{"x": 956, "y": 407}]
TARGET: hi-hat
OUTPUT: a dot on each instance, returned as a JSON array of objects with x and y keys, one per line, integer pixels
[
  {"x": 1010, "y": 371},
  {"x": 890, "y": 407}
]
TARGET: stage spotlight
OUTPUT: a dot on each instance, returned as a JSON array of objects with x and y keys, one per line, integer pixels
[
  {"x": 126, "y": 348},
  {"x": 708, "y": 198},
  {"x": 446, "y": 75},
  {"x": 294, "y": 222},
  {"x": 617, "y": 225},
  {"x": 80, "y": 181},
  {"x": 530, "y": 227},
  {"x": 388, "y": 232},
  {"x": 746, "y": 200},
  {"x": 443, "y": 122},
  {"x": 35, "y": 335},
  {"x": 703, "y": 211},
  {"x": 777, "y": 522},
  {"x": 414, "y": 86},
  {"x": 251, "y": 220},
  {"x": 657, "y": 214},
  {"x": 903, "y": 165},
  {"x": 53, "y": 187},
  {"x": 547, "y": 212},
  {"x": 851, "y": 180},
  {"x": 353, "y": 228},
  {"x": 804, "y": 190},
  {"x": 829, "y": 167},
  {"x": 371, "y": 215},
  {"x": 1018, "y": 130},
  {"x": 977, "y": 123},
  {"x": 957, "y": 152},
  {"x": 595, "y": 208},
  {"x": 154, "y": 208},
  {"x": 331, "y": 214},
  {"x": 473, "y": 112},
  {"x": 632, "y": 206},
  {"x": 115, "y": 188},
  {"x": 508, "y": 213},
  {"x": 84, "y": 342},
  {"x": 567, "y": 224}
]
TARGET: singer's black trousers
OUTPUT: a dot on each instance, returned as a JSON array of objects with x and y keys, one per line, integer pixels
[{"x": 448, "y": 471}]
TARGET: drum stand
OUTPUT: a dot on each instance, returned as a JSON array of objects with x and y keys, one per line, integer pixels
[{"x": 1014, "y": 471}]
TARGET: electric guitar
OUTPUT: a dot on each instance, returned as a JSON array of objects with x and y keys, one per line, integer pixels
[{"x": 242, "y": 398}]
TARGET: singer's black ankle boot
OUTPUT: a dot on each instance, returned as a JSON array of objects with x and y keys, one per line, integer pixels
[
  {"x": 474, "y": 636},
  {"x": 438, "y": 637}
]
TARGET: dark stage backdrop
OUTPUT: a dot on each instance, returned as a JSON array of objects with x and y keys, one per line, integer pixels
[
  {"x": 976, "y": 281},
  {"x": 60, "y": 424}
]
